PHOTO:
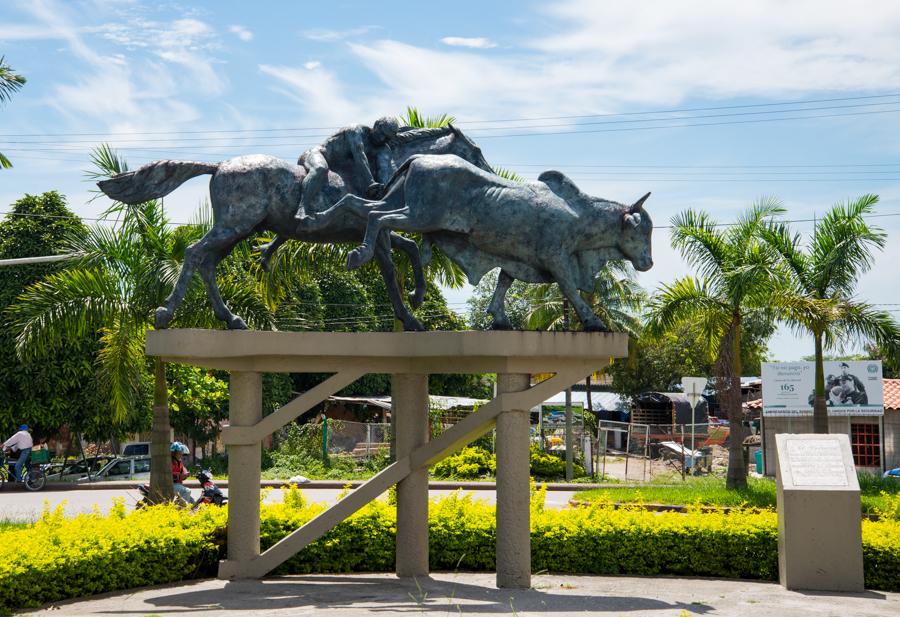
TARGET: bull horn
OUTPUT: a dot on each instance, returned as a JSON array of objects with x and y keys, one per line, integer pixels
[{"x": 639, "y": 203}]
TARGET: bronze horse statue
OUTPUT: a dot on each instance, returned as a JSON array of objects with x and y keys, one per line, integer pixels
[{"x": 257, "y": 193}]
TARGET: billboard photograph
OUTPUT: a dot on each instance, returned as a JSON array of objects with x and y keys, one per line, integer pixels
[{"x": 852, "y": 388}]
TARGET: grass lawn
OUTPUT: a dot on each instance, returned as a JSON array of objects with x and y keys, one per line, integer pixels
[{"x": 711, "y": 491}]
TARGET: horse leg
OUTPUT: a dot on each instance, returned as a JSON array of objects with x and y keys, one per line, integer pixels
[
  {"x": 269, "y": 250},
  {"x": 386, "y": 265},
  {"x": 417, "y": 296},
  {"x": 496, "y": 308},
  {"x": 589, "y": 320},
  {"x": 194, "y": 255},
  {"x": 397, "y": 219},
  {"x": 219, "y": 246}
]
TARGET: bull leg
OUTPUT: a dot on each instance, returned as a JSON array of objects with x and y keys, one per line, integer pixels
[
  {"x": 269, "y": 250},
  {"x": 386, "y": 265},
  {"x": 589, "y": 320},
  {"x": 496, "y": 308},
  {"x": 348, "y": 203},
  {"x": 417, "y": 296},
  {"x": 395, "y": 219}
]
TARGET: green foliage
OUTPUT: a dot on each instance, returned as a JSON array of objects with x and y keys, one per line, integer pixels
[
  {"x": 198, "y": 402},
  {"x": 548, "y": 466},
  {"x": 468, "y": 463},
  {"x": 299, "y": 452},
  {"x": 59, "y": 388},
  {"x": 10, "y": 82},
  {"x": 49, "y": 561},
  {"x": 414, "y": 119},
  {"x": 477, "y": 462},
  {"x": 517, "y": 305},
  {"x": 656, "y": 364}
]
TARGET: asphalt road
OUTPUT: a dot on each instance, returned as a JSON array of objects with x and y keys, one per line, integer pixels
[{"x": 27, "y": 506}]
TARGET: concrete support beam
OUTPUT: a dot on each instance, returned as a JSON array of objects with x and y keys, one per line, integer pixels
[
  {"x": 513, "y": 487},
  {"x": 410, "y": 409},
  {"x": 243, "y": 476}
]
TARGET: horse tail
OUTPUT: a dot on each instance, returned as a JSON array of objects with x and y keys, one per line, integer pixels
[{"x": 153, "y": 180}]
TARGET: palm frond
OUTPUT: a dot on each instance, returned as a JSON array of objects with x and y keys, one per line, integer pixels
[
  {"x": 5, "y": 163},
  {"x": 70, "y": 304},
  {"x": 688, "y": 300},
  {"x": 843, "y": 244},
  {"x": 10, "y": 81},
  {"x": 121, "y": 363},
  {"x": 414, "y": 119},
  {"x": 508, "y": 174},
  {"x": 699, "y": 240}
]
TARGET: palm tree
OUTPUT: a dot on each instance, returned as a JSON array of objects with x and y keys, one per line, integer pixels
[
  {"x": 10, "y": 82},
  {"x": 823, "y": 277},
  {"x": 415, "y": 120},
  {"x": 737, "y": 273},
  {"x": 113, "y": 286}
]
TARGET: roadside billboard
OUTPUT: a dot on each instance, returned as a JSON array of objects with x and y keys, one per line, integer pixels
[{"x": 852, "y": 388}]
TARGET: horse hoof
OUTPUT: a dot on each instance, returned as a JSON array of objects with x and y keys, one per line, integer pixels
[
  {"x": 163, "y": 317},
  {"x": 354, "y": 259},
  {"x": 236, "y": 323},
  {"x": 595, "y": 326},
  {"x": 413, "y": 325},
  {"x": 501, "y": 324}
]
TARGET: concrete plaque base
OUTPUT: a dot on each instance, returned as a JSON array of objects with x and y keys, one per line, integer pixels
[{"x": 819, "y": 519}]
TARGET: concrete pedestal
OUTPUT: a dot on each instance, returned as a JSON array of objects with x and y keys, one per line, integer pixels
[
  {"x": 244, "y": 466},
  {"x": 410, "y": 357},
  {"x": 513, "y": 488},
  {"x": 410, "y": 414},
  {"x": 819, "y": 514}
]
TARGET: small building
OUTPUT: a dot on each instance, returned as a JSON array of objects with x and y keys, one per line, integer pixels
[
  {"x": 663, "y": 408},
  {"x": 875, "y": 440}
]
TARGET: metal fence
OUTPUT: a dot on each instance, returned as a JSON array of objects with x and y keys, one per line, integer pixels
[{"x": 632, "y": 451}]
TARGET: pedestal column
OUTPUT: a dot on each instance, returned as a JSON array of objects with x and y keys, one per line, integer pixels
[
  {"x": 513, "y": 486},
  {"x": 411, "y": 426},
  {"x": 245, "y": 409}
]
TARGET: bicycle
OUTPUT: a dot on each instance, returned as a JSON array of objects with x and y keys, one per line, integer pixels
[{"x": 34, "y": 478}]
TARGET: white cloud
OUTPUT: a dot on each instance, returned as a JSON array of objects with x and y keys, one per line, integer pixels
[
  {"x": 312, "y": 65},
  {"x": 324, "y": 35},
  {"x": 319, "y": 92},
  {"x": 476, "y": 42},
  {"x": 241, "y": 32}
]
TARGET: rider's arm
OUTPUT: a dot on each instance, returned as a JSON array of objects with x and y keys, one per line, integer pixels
[
  {"x": 385, "y": 163},
  {"x": 357, "y": 147}
]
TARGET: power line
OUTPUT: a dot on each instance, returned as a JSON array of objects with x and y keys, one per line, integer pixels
[
  {"x": 465, "y": 122},
  {"x": 63, "y": 145}
]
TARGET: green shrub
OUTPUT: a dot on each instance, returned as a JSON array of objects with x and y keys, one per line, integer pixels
[
  {"x": 470, "y": 462},
  {"x": 476, "y": 462},
  {"x": 548, "y": 466},
  {"x": 63, "y": 558}
]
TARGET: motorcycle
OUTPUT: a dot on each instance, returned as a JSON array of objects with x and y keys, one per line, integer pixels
[{"x": 209, "y": 492}]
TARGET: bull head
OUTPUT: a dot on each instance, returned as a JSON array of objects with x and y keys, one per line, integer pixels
[{"x": 633, "y": 217}]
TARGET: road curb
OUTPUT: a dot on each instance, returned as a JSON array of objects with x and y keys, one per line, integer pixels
[{"x": 317, "y": 484}]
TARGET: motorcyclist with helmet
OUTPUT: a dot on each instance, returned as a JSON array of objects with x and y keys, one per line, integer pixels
[{"x": 179, "y": 471}]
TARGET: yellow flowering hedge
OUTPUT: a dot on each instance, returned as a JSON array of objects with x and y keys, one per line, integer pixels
[{"x": 63, "y": 558}]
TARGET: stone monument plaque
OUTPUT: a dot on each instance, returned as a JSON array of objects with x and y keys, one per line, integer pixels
[
  {"x": 816, "y": 462},
  {"x": 819, "y": 513}
]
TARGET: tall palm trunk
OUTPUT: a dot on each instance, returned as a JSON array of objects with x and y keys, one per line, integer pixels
[
  {"x": 820, "y": 409},
  {"x": 161, "y": 487},
  {"x": 730, "y": 373}
]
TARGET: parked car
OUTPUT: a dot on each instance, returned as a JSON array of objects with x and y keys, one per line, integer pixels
[
  {"x": 73, "y": 470},
  {"x": 123, "y": 468},
  {"x": 136, "y": 448}
]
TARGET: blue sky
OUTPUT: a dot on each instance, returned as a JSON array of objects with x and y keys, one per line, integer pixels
[{"x": 139, "y": 74}]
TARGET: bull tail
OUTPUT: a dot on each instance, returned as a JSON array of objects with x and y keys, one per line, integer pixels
[
  {"x": 400, "y": 175},
  {"x": 153, "y": 180}
]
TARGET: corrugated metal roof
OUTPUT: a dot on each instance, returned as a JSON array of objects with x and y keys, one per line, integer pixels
[{"x": 608, "y": 401}]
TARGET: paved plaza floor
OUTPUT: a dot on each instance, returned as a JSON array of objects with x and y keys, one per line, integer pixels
[{"x": 475, "y": 594}]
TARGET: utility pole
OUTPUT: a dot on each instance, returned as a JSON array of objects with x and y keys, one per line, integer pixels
[{"x": 570, "y": 445}]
